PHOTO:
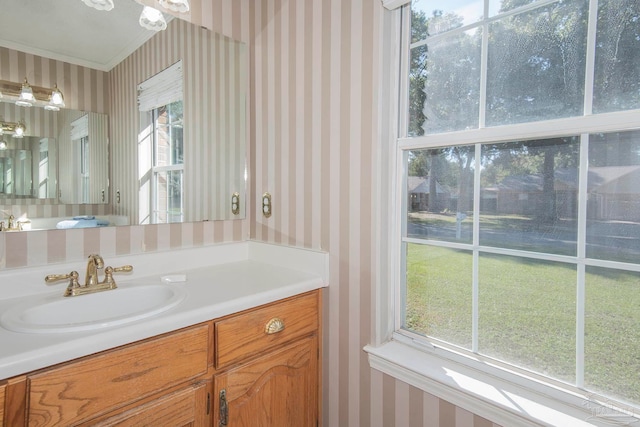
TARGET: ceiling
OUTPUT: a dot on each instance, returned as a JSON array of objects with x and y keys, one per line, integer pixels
[{"x": 70, "y": 31}]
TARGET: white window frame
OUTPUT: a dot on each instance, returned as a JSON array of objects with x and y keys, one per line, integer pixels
[
  {"x": 156, "y": 170},
  {"x": 483, "y": 386}
]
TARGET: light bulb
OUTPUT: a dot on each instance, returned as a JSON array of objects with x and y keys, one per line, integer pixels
[
  {"x": 181, "y": 6},
  {"x": 26, "y": 98},
  {"x": 56, "y": 100},
  {"x": 152, "y": 19},
  {"x": 99, "y": 4}
]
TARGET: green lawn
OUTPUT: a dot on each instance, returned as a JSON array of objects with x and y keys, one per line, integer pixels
[{"x": 527, "y": 314}]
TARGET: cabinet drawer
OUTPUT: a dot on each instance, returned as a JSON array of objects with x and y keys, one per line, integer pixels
[
  {"x": 244, "y": 335},
  {"x": 177, "y": 409},
  {"x": 86, "y": 388}
]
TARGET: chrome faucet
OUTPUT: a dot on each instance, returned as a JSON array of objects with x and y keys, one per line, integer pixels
[{"x": 91, "y": 283}]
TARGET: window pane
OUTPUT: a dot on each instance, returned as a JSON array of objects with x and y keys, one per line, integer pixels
[
  {"x": 617, "y": 68},
  {"x": 444, "y": 84},
  {"x": 527, "y": 314},
  {"x": 529, "y": 195},
  {"x": 440, "y": 194},
  {"x": 613, "y": 202},
  {"x": 168, "y": 186},
  {"x": 169, "y": 148},
  {"x": 438, "y": 293},
  {"x": 612, "y": 332},
  {"x": 536, "y": 64},
  {"x": 444, "y": 17},
  {"x": 500, "y": 6}
]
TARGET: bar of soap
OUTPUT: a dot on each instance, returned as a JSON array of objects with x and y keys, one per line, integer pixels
[{"x": 174, "y": 278}]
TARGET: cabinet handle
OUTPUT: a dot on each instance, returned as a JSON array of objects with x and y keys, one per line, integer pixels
[
  {"x": 224, "y": 410},
  {"x": 274, "y": 326}
]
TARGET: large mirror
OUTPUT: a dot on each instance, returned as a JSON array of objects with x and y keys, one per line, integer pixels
[
  {"x": 62, "y": 158},
  {"x": 120, "y": 167}
]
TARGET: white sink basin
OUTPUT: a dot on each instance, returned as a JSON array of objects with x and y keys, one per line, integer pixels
[{"x": 57, "y": 314}]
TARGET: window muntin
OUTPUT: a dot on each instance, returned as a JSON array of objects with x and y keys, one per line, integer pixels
[{"x": 575, "y": 253}]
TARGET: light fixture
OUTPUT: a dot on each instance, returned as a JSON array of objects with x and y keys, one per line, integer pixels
[
  {"x": 99, "y": 4},
  {"x": 19, "y": 130},
  {"x": 152, "y": 19},
  {"x": 56, "y": 100},
  {"x": 16, "y": 129},
  {"x": 181, "y": 6},
  {"x": 26, "y": 98},
  {"x": 26, "y": 95},
  {"x": 3, "y": 145}
]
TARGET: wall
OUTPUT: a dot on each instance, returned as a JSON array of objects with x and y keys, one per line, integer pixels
[
  {"x": 313, "y": 146},
  {"x": 316, "y": 95}
]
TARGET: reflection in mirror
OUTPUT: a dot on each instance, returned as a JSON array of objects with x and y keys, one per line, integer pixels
[
  {"x": 28, "y": 168},
  {"x": 85, "y": 155},
  {"x": 210, "y": 158},
  {"x": 214, "y": 127}
]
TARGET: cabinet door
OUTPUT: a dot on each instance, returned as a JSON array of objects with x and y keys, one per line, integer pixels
[
  {"x": 186, "y": 407},
  {"x": 96, "y": 385},
  {"x": 2, "y": 392},
  {"x": 279, "y": 389}
]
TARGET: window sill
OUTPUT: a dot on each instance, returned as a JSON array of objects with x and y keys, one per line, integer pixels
[{"x": 487, "y": 393}]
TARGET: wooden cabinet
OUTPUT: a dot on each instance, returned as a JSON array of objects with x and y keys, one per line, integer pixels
[
  {"x": 277, "y": 389},
  {"x": 273, "y": 354},
  {"x": 3, "y": 388},
  {"x": 84, "y": 389},
  {"x": 185, "y": 407},
  {"x": 264, "y": 362}
]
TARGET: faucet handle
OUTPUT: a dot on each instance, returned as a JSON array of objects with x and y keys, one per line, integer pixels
[
  {"x": 73, "y": 281},
  {"x": 108, "y": 274}
]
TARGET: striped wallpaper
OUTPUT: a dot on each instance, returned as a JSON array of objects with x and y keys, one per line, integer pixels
[
  {"x": 214, "y": 121},
  {"x": 98, "y": 152},
  {"x": 84, "y": 88},
  {"x": 314, "y": 145}
]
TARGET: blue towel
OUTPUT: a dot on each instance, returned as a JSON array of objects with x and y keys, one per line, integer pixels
[
  {"x": 81, "y": 223},
  {"x": 84, "y": 217}
]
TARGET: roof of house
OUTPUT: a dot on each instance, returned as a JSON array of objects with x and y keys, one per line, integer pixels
[{"x": 418, "y": 184}]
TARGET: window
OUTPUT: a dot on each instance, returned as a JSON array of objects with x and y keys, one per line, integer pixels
[
  {"x": 161, "y": 148},
  {"x": 168, "y": 164},
  {"x": 520, "y": 169},
  {"x": 83, "y": 149},
  {"x": 82, "y": 158}
]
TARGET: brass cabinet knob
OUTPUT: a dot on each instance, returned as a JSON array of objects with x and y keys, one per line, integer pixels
[{"x": 274, "y": 326}]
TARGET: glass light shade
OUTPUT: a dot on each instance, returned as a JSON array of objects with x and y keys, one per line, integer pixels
[
  {"x": 3, "y": 145},
  {"x": 56, "y": 100},
  {"x": 181, "y": 6},
  {"x": 152, "y": 19},
  {"x": 99, "y": 4},
  {"x": 26, "y": 98},
  {"x": 19, "y": 131}
]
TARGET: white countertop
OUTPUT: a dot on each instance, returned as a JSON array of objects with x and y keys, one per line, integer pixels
[{"x": 221, "y": 279}]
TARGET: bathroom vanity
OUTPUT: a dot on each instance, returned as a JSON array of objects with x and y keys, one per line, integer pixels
[{"x": 241, "y": 349}]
